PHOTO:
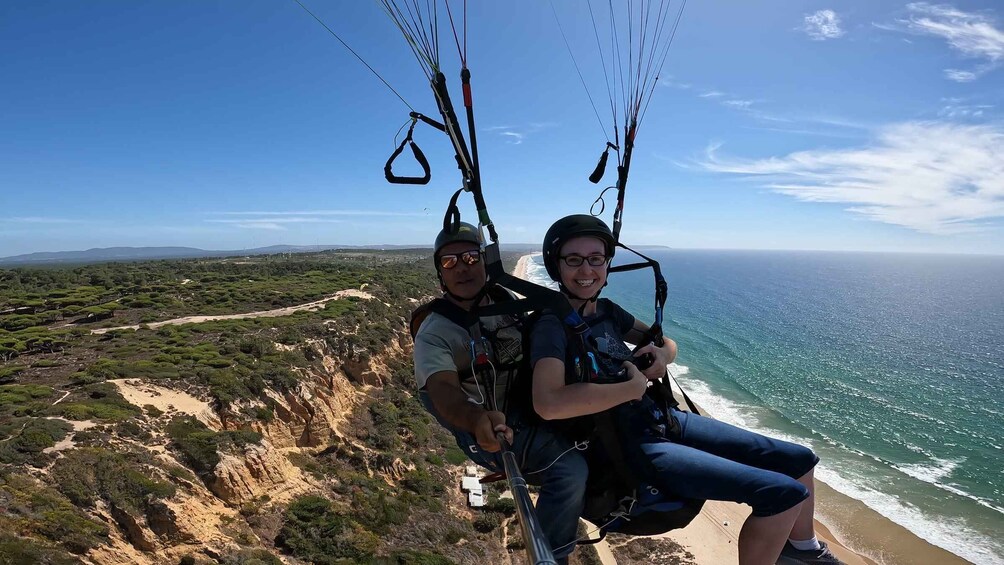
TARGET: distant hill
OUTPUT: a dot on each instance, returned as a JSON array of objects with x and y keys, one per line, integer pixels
[{"x": 98, "y": 255}]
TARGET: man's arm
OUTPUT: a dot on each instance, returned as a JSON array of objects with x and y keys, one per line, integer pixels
[{"x": 452, "y": 404}]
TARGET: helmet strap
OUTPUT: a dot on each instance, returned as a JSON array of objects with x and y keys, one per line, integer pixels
[{"x": 567, "y": 292}]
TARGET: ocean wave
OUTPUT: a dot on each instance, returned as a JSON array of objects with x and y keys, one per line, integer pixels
[
  {"x": 934, "y": 473},
  {"x": 947, "y": 534},
  {"x": 953, "y": 536},
  {"x": 930, "y": 472},
  {"x": 718, "y": 406}
]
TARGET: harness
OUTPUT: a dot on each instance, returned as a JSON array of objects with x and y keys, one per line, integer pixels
[
  {"x": 623, "y": 501},
  {"x": 483, "y": 346}
]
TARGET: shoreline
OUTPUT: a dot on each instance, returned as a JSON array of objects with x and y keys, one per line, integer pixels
[
  {"x": 855, "y": 532},
  {"x": 521, "y": 266}
]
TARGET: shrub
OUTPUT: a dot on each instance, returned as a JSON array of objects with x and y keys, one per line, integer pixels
[
  {"x": 7, "y": 374},
  {"x": 199, "y": 446},
  {"x": 313, "y": 531},
  {"x": 19, "y": 394},
  {"x": 413, "y": 557},
  {"x": 504, "y": 506},
  {"x": 487, "y": 522},
  {"x": 195, "y": 441},
  {"x": 42, "y": 511},
  {"x": 19, "y": 550},
  {"x": 421, "y": 482},
  {"x": 91, "y": 473},
  {"x": 37, "y": 435}
]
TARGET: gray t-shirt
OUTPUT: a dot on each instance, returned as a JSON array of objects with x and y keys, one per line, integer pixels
[{"x": 441, "y": 345}]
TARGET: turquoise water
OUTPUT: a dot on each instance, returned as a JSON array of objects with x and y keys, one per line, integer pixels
[{"x": 890, "y": 366}]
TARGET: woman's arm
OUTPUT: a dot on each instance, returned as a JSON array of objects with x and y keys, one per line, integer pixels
[
  {"x": 554, "y": 400},
  {"x": 663, "y": 355}
]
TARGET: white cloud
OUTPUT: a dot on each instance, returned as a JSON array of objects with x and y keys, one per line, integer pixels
[
  {"x": 738, "y": 104},
  {"x": 514, "y": 135},
  {"x": 259, "y": 226},
  {"x": 319, "y": 213},
  {"x": 37, "y": 220},
  {"x": 955, "y": 109},
  {"x": 515, "y": 138},
  {"x": 280, "y": 220},
  {"x": 671, "y": 83},
  {"x": 712, "y": 94},
  {"x": 973, "y": 35},
  {"x": 960, "y": 76},
  {"x": 822, "y": 25},
  {"x": 932, "y": 177}
]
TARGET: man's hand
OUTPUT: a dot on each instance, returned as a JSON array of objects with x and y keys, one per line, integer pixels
[{"x": 489, "y": 424}]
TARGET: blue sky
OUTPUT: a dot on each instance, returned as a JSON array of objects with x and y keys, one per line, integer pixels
[{"x": 855, "y": 125}]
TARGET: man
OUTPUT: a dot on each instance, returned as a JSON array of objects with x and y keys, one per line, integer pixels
[{"x": 467, "y": 373}]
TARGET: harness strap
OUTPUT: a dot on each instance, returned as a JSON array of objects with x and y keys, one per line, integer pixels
[{"x": 419, "y": 156}]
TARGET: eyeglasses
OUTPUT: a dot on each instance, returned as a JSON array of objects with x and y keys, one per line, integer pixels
[
  {"x": 577, "y": 260},
  {"x": 472, "y": 257}
]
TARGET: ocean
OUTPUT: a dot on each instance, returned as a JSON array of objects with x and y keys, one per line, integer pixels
[{"x": 890, "y": 366}]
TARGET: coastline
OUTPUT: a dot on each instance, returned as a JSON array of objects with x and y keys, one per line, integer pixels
[
  {"x": 521, "y": 266},
  {"x": 856, "y": 533}
]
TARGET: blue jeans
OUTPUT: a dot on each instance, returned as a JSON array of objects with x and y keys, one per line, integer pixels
[
  {"x": 712, "y": 460},
  {"x": 546, "y": 460}
]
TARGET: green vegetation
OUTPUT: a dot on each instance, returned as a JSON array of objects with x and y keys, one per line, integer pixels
[
  {"x": 95, "y": 402},
  {"x": 126, "y": 481},
  {"x": 199, "y": 446},
  {"x": 43, "y": 513},
  {"x": 29, "y": 439},
  {"x": 382, "y": 481},
  {"x": 314, "y": 531}
]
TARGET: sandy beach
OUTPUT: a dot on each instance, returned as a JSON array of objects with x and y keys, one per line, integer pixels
[
  {"x": 855, "y": 533},
  {"x": 521, "y": 265}
]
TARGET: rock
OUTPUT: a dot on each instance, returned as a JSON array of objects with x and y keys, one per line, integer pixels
[
  {"x": 261, "y": 469},
  {"x": 133, "y": 528},
  {"x": 163, "y": 521}
]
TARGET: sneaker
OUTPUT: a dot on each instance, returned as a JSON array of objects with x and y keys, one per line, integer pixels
[{"x": 822, "y": 556}]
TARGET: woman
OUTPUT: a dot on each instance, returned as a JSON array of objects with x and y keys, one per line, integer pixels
[{"x": 706, "y": 459}]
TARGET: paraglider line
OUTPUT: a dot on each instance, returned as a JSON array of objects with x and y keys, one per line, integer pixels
[{"x": 351, "y": 50}]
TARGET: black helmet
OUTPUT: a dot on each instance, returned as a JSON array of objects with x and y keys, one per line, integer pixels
[
  {"x": 462, "y": 231},
  {"x": 569, "y": 227}
]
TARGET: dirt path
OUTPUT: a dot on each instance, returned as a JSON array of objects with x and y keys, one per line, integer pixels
[{"x": 316, "y": 305}]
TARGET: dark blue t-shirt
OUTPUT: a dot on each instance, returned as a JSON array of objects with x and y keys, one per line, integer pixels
[{"x": 608, "y": 326}]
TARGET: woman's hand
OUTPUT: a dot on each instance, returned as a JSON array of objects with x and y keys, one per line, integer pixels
[
  {"x": 663, "y": 356},
  {"x": 638, "y": 381}
]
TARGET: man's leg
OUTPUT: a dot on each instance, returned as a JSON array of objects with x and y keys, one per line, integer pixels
[{"x": 561, "y": 472}]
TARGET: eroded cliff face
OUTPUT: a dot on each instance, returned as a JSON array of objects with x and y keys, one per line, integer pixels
[{"x": 204, "y": 519}]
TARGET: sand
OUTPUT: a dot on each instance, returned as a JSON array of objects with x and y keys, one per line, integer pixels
[
  {"x": 140, "y": 393},
  {"x": 278, "y": 312},
  {"x": 521, "y": 266},
  {"x": 855, "y": 533}
]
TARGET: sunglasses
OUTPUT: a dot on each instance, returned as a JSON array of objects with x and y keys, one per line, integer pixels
[
  {"x": 472, "y": 257},
  {"x": 578, "y": 260}
]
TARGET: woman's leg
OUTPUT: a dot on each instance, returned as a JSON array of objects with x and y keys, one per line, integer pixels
[
  {"x": 762, "y": 538},
  {"x": 804, "y": 528},
  {"x": 744, "y": 446}
]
